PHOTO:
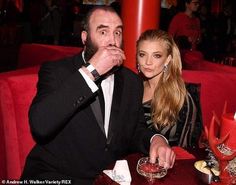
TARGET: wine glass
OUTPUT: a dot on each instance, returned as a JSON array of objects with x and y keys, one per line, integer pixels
[{"x": 151, "y": 171}]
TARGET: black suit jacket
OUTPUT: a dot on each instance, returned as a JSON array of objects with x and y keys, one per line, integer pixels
[{"x": 70, "y": 142}]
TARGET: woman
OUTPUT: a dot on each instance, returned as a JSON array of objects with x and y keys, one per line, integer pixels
[{"x": 169, "y": 108}]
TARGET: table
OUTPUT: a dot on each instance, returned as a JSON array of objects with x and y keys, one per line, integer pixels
[{"x": 183, "y": 172}]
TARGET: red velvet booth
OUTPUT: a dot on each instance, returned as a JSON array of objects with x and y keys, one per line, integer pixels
[
  {"x": 216, "y": 89},
  {"x": 17, "y": 89},
  {"x": 15, "y": 96}
]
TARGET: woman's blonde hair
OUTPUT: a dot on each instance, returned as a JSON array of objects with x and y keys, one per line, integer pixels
[{"x": 170, "y": 93}]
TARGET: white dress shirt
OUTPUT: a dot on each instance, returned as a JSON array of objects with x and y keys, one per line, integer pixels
[{"x": 107, "y": 88}]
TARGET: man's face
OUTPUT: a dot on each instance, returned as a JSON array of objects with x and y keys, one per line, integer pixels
[
  {"x": 105, "y": 28},
  {"x": 194, "y": 5}
]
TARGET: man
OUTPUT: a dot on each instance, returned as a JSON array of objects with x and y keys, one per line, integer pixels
[
  {"x": 185, "y": 26},
  {"x": 72, "y": 142}
]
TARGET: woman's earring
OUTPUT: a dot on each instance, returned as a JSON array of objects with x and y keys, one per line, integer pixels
[
  {"x": 165, "y": 68},
  {"x": 138, "y": 68}
]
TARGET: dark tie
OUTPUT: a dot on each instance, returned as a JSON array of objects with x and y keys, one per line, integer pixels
[{"x": 101, "y": 100}]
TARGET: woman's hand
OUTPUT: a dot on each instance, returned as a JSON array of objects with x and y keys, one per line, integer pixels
[{"x": 161, "y": 150}]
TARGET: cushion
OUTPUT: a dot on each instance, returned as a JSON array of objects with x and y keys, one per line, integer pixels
[
  {"x": 23, "y": 90},
  {"x": 28, "y": 70},
  {"x": 15, "y": 97}
]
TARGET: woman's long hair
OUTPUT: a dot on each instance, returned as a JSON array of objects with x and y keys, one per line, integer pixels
[{"x": 170, "y": 93}]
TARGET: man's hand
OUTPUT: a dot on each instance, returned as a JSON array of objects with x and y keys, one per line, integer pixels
[
  {"x": 161, "y": 150},
  {"x": 106, "y": 58}
]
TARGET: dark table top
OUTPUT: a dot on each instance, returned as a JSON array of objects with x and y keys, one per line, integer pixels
[{"x": 183, "y": 172}]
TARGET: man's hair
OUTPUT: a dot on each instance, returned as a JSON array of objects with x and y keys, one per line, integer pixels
[
  {"x": 85, "y": 22},
  {"x": 188, "y": 1}
]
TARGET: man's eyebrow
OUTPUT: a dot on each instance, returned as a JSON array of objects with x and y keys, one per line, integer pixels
[
  {"x": 101, "y": 26},
  {"x": 104, "y": 26},
  {"x": 120, "y": 27}
]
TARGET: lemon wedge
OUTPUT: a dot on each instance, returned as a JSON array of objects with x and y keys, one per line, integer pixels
[{"x": 202, "y": 167}]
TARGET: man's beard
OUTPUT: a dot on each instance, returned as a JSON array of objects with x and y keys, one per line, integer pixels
[{"x": 90, "y": 50}]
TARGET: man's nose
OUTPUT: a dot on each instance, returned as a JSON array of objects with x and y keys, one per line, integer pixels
[{"x": 112, "y": 40}]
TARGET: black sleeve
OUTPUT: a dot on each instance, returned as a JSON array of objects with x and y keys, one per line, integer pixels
[{"x": 58, "y": 97}]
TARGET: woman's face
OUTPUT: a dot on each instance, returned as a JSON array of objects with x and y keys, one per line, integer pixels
[{"x": 151, "y": 57}]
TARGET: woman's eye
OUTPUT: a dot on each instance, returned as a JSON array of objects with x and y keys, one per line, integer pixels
[
  {"x": 141, "y": 54},
  {"x": 157, "y": 56}
]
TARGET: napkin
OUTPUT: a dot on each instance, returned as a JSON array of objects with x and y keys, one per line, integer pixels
[{"x": 120, "y": 173}]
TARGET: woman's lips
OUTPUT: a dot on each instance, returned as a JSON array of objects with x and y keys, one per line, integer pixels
[{"x": 147, "y": 69}]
